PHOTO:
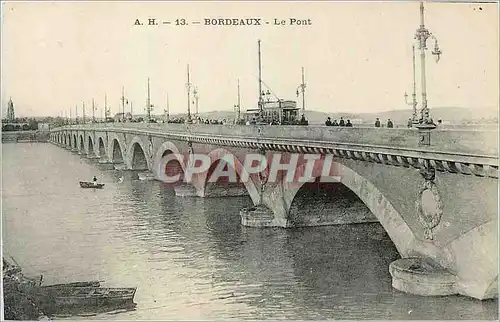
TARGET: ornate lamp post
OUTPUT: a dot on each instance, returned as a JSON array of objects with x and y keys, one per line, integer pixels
[
  {"x": 302, "y": 88},
  {"x": 414, "y": 119},
  {"x": 422, "y": 34},
  {"x": 195, "y": 102},
  {"x": 124, "y": 102}
]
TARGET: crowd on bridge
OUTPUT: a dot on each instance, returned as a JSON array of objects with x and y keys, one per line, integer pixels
[
  {"x": 389, "y": 124},
  {"x": 341, "y": 122}
]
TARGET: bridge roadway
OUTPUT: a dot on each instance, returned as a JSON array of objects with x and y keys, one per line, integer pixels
[{"x": 438, "y": 203}]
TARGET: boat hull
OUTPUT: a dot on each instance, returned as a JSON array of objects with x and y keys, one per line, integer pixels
[
  {"x": 84, "y": 184},
  {"x": 60, "y": 299},
  {"x": 74, "y": 284}
]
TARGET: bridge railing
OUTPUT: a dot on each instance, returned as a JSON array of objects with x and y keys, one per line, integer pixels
[{"x": 467, "y": 141}]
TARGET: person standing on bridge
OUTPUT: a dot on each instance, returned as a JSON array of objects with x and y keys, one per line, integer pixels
[{"x": 377, "y": 123}]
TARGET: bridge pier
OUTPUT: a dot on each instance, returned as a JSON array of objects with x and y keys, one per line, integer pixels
[
  {"x": 257, "y": 216},
  {"x": 186, "y": 190},
  {"x": 444, "y": 226},
  {"x": 422, "y": 276}
]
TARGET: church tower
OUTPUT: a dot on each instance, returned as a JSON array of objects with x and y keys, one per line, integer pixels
[{"x": 10, "y": 111}]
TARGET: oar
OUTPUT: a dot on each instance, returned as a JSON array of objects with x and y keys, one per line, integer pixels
[{"x": 14, "y": 261}]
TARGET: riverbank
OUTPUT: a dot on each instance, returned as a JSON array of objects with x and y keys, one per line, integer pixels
[{"x": 18, "y": 304}]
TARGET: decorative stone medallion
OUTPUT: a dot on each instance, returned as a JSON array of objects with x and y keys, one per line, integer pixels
[{"x": 429, "y": 207}]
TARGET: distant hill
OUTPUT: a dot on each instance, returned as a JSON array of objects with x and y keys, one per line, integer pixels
[{"x": 453, "y": 115}]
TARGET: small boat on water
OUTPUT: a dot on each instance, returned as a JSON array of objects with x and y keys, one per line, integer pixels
[
  {"x": 86, "y": 184},
  {"x": 68, "y": 297},
  {"x": 146, "y": 176},
  {"x": 75, "y": 284},
  {"x": 53, "y": 299}
]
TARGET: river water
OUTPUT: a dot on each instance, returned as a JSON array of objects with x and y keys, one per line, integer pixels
[{"x": 189, "y": 257}]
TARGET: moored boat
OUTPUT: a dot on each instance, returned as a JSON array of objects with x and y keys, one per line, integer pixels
[
  {"x": 75, "y": 284},
  {"x": 85, "y": 184},
  {"x": 57, "y": 298}
]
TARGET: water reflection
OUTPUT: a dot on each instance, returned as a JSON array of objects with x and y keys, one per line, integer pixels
[{"x": 189, "y": 257}]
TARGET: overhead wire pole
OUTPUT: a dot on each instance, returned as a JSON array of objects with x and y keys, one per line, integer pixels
[
  {"x": 303, "y": 85},
  {"x": 167, "y": 111},
  {"x": 106, "y": 112},
  {"x": 148, "y": 104},
  {"x": 93, "y": 111},
  {"x": 188, "y": 85},
  {"x": 261, "y": 104},
  {"x": 239, "y": 102},
  {"x": 123, "y": 103},
  {"x": 237, "y": 107},
  {"x": 83, "y": 107}
]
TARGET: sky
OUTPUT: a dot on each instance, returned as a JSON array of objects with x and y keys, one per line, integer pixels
[{"x": 357, "y": 56}]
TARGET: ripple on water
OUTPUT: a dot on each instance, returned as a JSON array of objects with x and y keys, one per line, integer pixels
[{"x": 190, "y": 258}]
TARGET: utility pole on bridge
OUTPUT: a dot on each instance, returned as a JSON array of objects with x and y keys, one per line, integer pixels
[
  {"x": 83, "y": 108},
  {"x": 188, "y": 85},
  {"x": 414, "y": 103},
  {"x": 238, "y": 106}
]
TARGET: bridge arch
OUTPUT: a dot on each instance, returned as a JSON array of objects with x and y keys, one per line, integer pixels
[
  {"x": 101, "y": 148},
  {"x": 81, "y": 147},
  {"x": 159, "y": 168},
  {"x": 138, "y": 157},
  {"x": 91, "y": 151},
  {"x": 116, "y": 148},
  {"x": 390, "y": 219},
  {"x": 229, "y": 159}
]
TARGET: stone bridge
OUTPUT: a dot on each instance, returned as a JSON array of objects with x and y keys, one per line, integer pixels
[{"x": 438, "y": 202}]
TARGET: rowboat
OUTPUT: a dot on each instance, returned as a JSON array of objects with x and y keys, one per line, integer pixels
[
  {"x": 146, "y": 176},
  {"x": 85, "y": 184},
  {"x": 75, "y": 284},
  {"x": 54, "y": 299}
]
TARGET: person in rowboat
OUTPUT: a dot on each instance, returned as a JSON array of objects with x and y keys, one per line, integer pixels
[{"x": 95, "y": 180}]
